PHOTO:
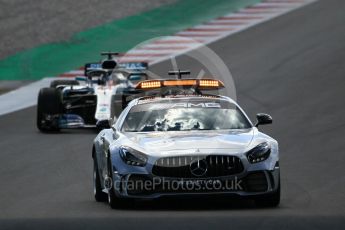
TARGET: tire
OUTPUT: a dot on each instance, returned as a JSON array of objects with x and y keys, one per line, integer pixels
[
  {"x": 271, "y": 200},
  {"x": 55, "y": 83},
  {"x": 99, "y": 195},
  {"x": 113, "y": 200},
  {"x": 48, "y": 103}
]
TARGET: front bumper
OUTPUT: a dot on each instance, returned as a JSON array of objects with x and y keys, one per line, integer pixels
[{"x": 150, "y": 187}]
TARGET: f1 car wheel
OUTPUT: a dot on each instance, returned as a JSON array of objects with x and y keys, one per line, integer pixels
[
  {"x": 49, "y": 107},
  {"x": 55, "y": 83},
  {"x": 271, "y": 200},
  {"x": 100, "y": 196}
]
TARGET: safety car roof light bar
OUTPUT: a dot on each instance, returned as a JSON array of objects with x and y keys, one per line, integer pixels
[{"x": 202, "y": 84}]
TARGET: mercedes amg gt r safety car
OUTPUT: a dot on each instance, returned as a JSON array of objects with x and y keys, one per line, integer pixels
[
  {"x": 178, "y": 141},
  {"x": 88, "y": 100}
]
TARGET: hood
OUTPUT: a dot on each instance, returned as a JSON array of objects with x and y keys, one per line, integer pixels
[{"x": 236, "y": 140}]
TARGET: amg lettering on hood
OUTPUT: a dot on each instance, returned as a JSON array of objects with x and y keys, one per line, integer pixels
[
  {"x": 190, "y": 105},
  {"x": 180, "y": 104}
]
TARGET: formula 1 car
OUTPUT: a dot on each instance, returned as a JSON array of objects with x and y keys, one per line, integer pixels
[
  {"x": 176, "y": 140},
  {"x": 88, "y": 100}
]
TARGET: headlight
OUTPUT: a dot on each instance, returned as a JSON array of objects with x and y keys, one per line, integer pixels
[
  {"x": 132, "y": 157},
  {"x": 259, "y": 153}
]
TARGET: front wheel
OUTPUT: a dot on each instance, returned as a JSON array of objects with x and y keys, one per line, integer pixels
[
  {"x": 49, "y": 107},
  {"x": 97, "y": 187},
  {"x": 113, "y": 200}
]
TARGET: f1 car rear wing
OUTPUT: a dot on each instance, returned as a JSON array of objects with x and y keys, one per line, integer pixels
[
  {"x": 107, "y": 64},
  {"x": 135, "y": 66}
]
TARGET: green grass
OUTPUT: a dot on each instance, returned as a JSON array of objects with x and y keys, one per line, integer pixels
[{"x": 120, "y": 35}]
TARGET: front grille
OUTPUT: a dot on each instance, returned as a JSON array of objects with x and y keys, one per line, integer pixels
[{"x": 179, "y": 166}]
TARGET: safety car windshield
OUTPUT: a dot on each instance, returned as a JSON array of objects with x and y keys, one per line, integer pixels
[{"x": 183, "y": 115}]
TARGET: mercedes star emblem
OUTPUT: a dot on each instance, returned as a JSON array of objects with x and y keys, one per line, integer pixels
[{"x": 198, "y": 167}]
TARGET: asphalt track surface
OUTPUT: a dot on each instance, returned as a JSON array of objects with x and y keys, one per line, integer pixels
[
  {"x": 292, "y": 68},
  {"x": 26, "y": 24},
  {"x": 41, "y": 22}
]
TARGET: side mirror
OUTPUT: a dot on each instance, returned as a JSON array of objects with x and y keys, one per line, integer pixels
[
  {"x": 263, "y": 119},
  {"x": 103, "y": 124}
]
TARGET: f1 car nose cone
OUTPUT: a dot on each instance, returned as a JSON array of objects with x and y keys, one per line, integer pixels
[{"x": 198, "y": 167}]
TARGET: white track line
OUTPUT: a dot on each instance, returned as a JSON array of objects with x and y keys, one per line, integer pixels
[
  {"x": 23, "y": 97},
  {"x": 165, "y": 48}
]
